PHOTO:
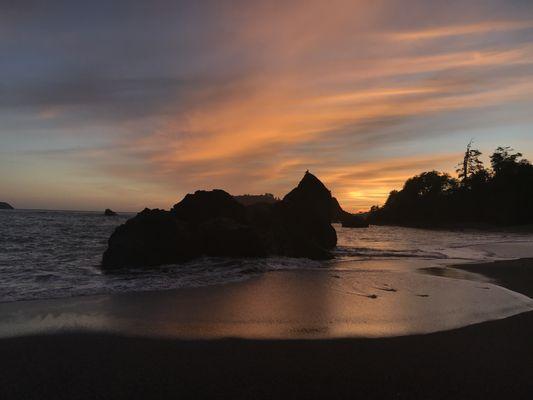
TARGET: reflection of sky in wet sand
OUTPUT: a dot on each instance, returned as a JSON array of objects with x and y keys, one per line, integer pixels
[{"x": 310, "y": 304}]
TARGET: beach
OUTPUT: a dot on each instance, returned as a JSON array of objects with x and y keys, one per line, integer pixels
[
  {"x": 492, "y": 359},
  {"x": 266, "y": 200}
]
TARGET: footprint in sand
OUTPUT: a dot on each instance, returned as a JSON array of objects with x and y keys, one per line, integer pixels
[{"x": 386, "y": 289}]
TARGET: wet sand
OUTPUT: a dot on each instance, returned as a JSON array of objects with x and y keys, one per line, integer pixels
[
  {"x": 487, "y": 360},
  {"x": 310, "y": 304}
]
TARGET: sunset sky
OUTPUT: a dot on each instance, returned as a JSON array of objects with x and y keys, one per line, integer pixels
[{"x": 128, "y": 104}]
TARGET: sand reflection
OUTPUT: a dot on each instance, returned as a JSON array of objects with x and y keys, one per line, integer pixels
[{"x": 304, "y": 304}]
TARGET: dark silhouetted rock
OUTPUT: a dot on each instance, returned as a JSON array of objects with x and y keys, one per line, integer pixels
[
  {"x": 203, "y": 223},
  {"x": 205, "y": 205},
  {"x": 299, "y": 225},
  {"x": 306, "y": 213},
  {"x": 5, "y": 206},
  {"x": 310, "y": 197},
  {"x": 225, "y": 237},
  {"x": 337, "y": 213},
  {"x": 109, "y": 213},
  {"x": 151, "y": 238},
  {"x": 214, "y": 223}
]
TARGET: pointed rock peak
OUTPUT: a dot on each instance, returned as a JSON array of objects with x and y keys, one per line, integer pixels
[
  {"x": 310, "y": 180},
  {"x": 309, "y": 188}
]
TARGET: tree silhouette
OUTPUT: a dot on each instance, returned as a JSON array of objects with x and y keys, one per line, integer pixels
[
  {"x": 504, "y": 158},
  {"x": 471, "y": 164},
  {"x": 501, "y": 195}
]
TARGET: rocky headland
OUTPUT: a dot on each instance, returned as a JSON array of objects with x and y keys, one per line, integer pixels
[{"x": 214, "y": 223}]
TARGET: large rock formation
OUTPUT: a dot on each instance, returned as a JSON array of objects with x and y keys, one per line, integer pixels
[
  {"x": 109, "y": 213},
  {"x": 5, "y": 206},
  {"x": 214, "y": 223},
  {"x": 151, "y": 238},
  {"x": 205, "y": 205},
  {"x": 218, "y": 225},
  {"x": 307, "y": 209}
]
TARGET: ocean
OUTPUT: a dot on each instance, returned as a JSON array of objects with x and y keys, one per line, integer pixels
[{"x": 56, "y": 254}]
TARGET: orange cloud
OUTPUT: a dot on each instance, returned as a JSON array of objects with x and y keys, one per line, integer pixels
[
  {"x": 460, "y": 30},
  {"x": 245, "y": 133}
]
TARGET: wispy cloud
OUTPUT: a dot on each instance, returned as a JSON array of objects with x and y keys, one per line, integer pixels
[{"x": 483, "y": 27}]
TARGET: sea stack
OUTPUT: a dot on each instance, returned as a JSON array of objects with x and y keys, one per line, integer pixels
[
  {"x": 214, "y": 223},
  {"x": 109, "y": 213},
  {"x": 6, "y": 206}
]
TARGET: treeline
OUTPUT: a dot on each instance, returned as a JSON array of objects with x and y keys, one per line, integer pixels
[{"x": 501, "y": 194}]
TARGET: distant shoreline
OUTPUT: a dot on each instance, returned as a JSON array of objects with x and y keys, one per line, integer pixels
[
  {"x": 73, "y": 211},
  {"x": 528, "y": 228}
]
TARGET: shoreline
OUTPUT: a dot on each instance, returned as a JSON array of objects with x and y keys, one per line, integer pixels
[
  {"x": 277, "y": 305},
  {"x": 492, "y": 359},
  {"x": 467, "y": 226}
]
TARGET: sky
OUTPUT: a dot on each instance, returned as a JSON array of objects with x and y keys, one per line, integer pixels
[{"x": 130, "y": 104}]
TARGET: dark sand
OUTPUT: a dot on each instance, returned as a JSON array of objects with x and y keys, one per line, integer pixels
[
  {"x": 488, "y": 360},
  {"x": 513, "y": 274}
]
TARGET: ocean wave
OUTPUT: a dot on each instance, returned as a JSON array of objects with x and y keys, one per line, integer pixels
[
  {"x": 387, "y": 253},
  {"x": 57, "y": 254}
]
